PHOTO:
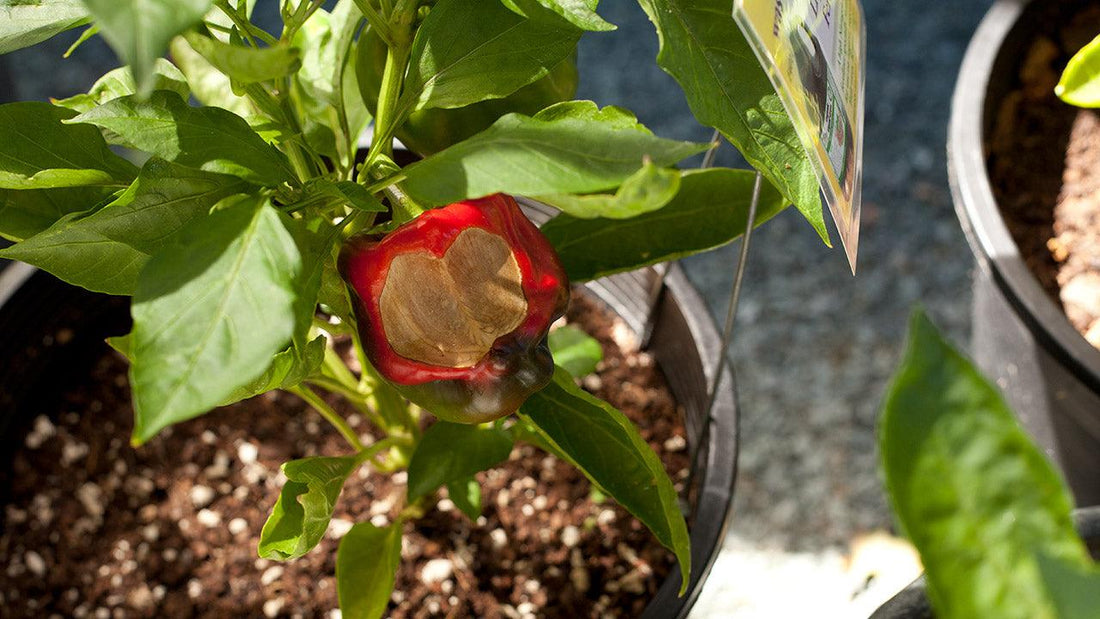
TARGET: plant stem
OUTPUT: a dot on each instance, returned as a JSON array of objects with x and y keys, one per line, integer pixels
[
  {"x": 377, "y": 23},
  {"x": 329, "y": 414},
  {"x": 380, "y": 185},
  {"x": 397, "y": 58},
  {"x": 386, "y": 120}
]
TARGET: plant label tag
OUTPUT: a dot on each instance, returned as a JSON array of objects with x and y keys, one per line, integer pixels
[{"x": 814, "y": 53}]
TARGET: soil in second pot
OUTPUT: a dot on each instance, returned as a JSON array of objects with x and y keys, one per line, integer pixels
[
  {"x": 94, "y": 528},
  {"x": 1044, "y": 164}
]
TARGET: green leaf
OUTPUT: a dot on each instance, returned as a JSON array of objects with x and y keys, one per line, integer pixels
[
  {"x": 104, "y": 249},
  {"x": 726, "y": 88},
  {"x": 346, "y": 192},
  {"x": 580, "y": 13},
  {"x": 711, "y": 209},
  {"x": 38, "y": 151},
  {"x": 334, "y": 293},
  {"x": 1075, "y": 589},
  {"x": 326, "y": 85},
  {"x": 968, "y": 487},
  {"x": 246, "y": 65},
  {"x": 608, "y": 450},
  {"x": 454, "y": 451},
  {"x": 208, "y": 85},
  {"x": 58, "y": 177},
  {"x": 28, "y": 22},
  {"x": 210, "y": 311},
  {"x": 1080, "y": 83},
  {"x": 301, "y": 515},
  {"x": 25, "y": 213},
  {"x": 289, "y": 368},
  {"x": 575, "y": 351},
  {"x": 139, "y": 30},
  {"x": 471, "y": 50},
  {"x": 466, "y": 495},
  {"x": 120, "y": 83},
  {"x": 570, "y": 153},
  {"x": 366, "y": 566},
  {"x": 207, "y": 138},
  {"x": 646, "y": 190},
  {"x": 121, "y": 344}
]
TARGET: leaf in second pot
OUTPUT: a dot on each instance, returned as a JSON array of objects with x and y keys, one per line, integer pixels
[
  {"x": 970, "y": 490},
  {"x": 1080, "y": 83}
]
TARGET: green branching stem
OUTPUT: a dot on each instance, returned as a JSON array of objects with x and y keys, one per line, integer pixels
[
  {"x": 248, "y": 30},
  {"x": 330, "y": 415},
  {"x": 386, "y": 118},
  {"x": 375, "y": 19}
]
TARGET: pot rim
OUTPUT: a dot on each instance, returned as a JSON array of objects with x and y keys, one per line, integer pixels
[
  {"x": 975, "y": 205},
  {"x": 714, "y": 502}
]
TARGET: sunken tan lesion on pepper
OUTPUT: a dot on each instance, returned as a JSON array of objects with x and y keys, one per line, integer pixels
[
  {"x": 449, "y": 311},
  {"x": 453, "y": 307}
]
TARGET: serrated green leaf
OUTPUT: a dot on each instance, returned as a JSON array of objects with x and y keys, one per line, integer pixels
[
  {"x": 530, "y": 156},
  {"x": 208, "y": 85},
  {"x": 470, "y": 50},
  {"x": 120, "y": 83},
  {"x": 575, "y": 350},
  {"x": 104, "y": 249},
  {"x": 606, "y": 447},
  {"x": 710, "y": 210},
  {"x": 301, "y": 516},
  {"x": 39, "y": 151},
  {"x": 27, "y": 22},
  {"x": 139, "y": 30},
  {"x": 207, "y": 138},
  {"x": 646, "y": 190},
  {"x": 210, "y": 311},
  {"x": 580, "y": 13},
  {"x": 968, "y": 487},
  {"x": 246, "y": 65},
  {"x": 366, "y": 566},
  {"x": 466, "y": 495},
  {"x": 453, "y": 451},
  {"x": 1074, "y": 588},
  {"x": 1080, "y": 82},
  {"x": 726, "y": 88}
]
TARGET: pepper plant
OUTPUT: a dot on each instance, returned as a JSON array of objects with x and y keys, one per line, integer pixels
[{"x": 217, "y": 180}]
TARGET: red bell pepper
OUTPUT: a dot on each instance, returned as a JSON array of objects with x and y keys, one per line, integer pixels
[{"x": 454, "y": 307}]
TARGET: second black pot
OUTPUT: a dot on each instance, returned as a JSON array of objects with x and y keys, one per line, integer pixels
[{"x": 1022, "y": 339}]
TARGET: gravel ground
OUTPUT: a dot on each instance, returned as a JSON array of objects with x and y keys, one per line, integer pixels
[{"x": 815, "y": 345}]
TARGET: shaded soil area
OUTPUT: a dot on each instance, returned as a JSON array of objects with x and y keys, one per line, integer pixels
[
  {"x": 92, "y": 527},
  {"x": 1044, "y": 162}
]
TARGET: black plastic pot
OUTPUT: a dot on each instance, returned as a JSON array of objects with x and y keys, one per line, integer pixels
[
  {"x": 49, "y": 330},
  {"x": 1048, "y": 372},
  {"x": 912, "y": 601}
]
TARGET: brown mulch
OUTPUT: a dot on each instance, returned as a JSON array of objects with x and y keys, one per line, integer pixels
[
  {"x": 95, "y": 528},
  {"x": 1044, "y": 162}
]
